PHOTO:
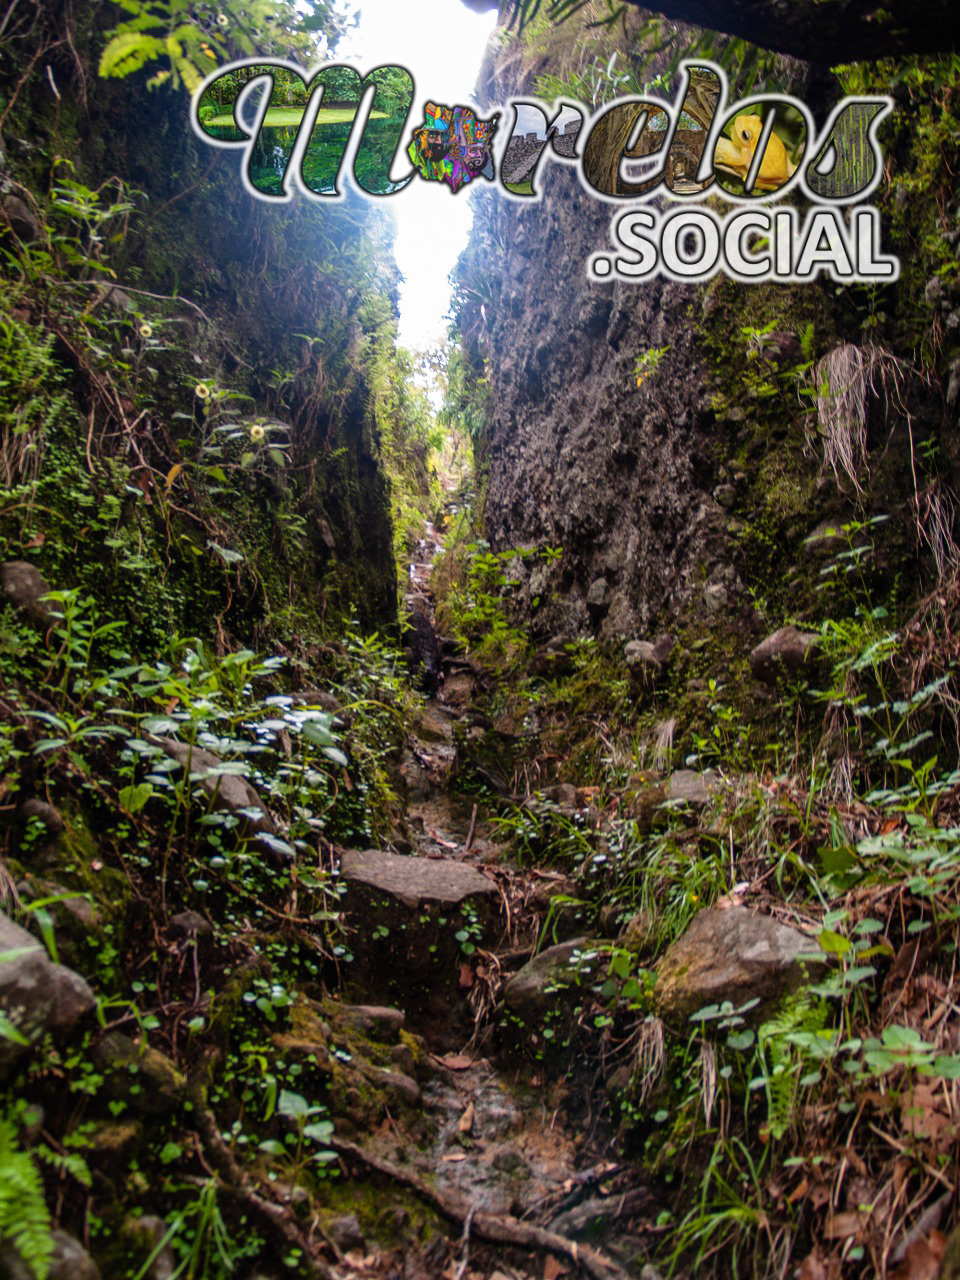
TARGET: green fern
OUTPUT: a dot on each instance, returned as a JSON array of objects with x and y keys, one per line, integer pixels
[
  {"x": 24, "y": 1218},
  {"x": 780, "y": 1062},
  {"x": 128, "y": 51}
]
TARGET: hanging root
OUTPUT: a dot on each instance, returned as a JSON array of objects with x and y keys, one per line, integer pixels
[{"x": 847, "y": 380}]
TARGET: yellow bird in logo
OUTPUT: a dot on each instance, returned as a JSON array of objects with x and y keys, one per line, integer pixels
[{"x": 736, "y": 156}]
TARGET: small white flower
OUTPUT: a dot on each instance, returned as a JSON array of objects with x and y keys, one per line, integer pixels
[
  {"x": 146, "y": 331},
  {"x": 222, "y": 20},
  {"x": 201, "y": 391},
  {"x": 257, "y": 434}
]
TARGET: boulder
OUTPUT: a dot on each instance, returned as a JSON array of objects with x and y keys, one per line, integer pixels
[
  {"x": 231, "y": 792},
  {"x": 531, "y": 992},
  {"x": 734, "y": 955},
  {"x": 36, "y": 995},
  {"x": 413, "y": 924},
  {"x": 24, "y": 586},
  {"x": 788, "y": 652},
  {"x": 414, "y": 881}
]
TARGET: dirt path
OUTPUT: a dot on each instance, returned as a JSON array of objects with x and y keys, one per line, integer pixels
[{"x": 499, "y": 1136}]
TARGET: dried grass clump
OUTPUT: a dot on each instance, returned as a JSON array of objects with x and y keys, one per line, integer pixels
[
  {"x": 663, "y": 750},
  {"x": 848, "y": 381}
]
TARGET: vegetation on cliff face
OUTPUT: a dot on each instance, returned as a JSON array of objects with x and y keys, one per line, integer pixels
[
  {"x": 695, "y": 701},
  {"x": 782, "y": 463},
  {"x": 212, "y": 462}
]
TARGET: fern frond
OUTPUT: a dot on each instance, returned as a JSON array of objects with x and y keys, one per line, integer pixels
[
  {"x": 24, "y": 1218},
  {"x": 128, "y": 51}
]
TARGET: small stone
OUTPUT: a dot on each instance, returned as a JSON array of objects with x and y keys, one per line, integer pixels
[
  {"x": 401, "y": 1056},
  {"x": 72, "y": 999},
  {"x": 398, "y": 1087},
  {"x": 618, "y": 1081},
  {"x": 736, "y": 955},
  {"x": 326, "y": 535},
  {"x": 715, "y": 598},
  {"x": 597, "y": 594},
  {"x": 381, "y": 1022},
  {"x": 190, "y": 924},
  {"x": 639, "y": 933},
  {"x": 561, "y": 793},
  {"x": 70, "y": 1261},
  {"x": 788, "y": 651},
  {"x": 144, "y": 1234},
  {"x": 826, "y": 539},
  {"x": 39, "y": 811},
  {"x": 24, "y": 222},
  {"x": 933, "y": 293},
  {"x": 641, "y": 657},
  {"x": 691, "y": 787},
  {"x": 953, "y": 386},
  {"x": 725, "y": 495},
  {"x": 346, "y": 1232},
  {"x": 24, "y": 586},
  {"x": 509, "y": 1160}
]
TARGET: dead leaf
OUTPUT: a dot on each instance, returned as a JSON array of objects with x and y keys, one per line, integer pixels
[
  {"x": 456, "y": 1061},
  {"x": 172, "y": 475},
  {"x": 466, "y": 1122},
  {"x": 466, "y": 977},
  {"x": 454, "y": 1157},
  {"x": 799, "y": 1191},
  {"x": 922, "y": 1259},
  {"x": 553, "y": 1268},
  {"x": 922, "y": 1116},
  {"x": 840, "y": 1226},
  {"x": 814, "y": 1267},
  {"x": 37, "y": 540}
]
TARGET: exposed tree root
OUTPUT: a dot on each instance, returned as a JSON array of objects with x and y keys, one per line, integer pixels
[{"x": 493, "y": 1227}]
